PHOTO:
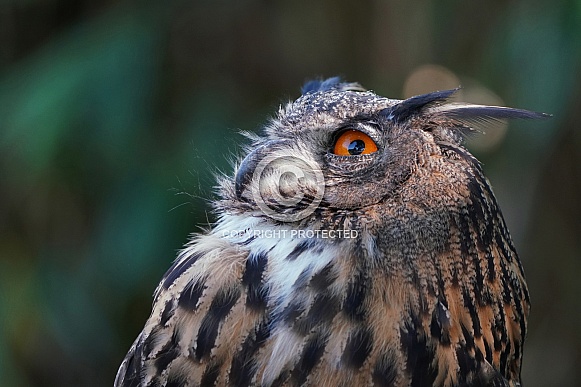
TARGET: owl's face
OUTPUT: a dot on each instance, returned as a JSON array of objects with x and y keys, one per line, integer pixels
[{"x": 341, "y": 150}]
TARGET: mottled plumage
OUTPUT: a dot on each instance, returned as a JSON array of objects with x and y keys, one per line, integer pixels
[{"x": 398, "y": 271}]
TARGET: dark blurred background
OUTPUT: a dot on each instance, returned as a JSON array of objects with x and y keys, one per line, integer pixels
[{"x": 115, "y": 116}]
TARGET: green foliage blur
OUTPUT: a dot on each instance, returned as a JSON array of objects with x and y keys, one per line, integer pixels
[{"x": 116, "y": 116}]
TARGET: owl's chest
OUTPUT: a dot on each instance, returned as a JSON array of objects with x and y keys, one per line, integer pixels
[
  {"x": 322, "y": 312},
  {"x": 333, "y": 321}
]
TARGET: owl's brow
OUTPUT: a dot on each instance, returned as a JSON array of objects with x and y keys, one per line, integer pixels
[{"x": 371, "y": 119}]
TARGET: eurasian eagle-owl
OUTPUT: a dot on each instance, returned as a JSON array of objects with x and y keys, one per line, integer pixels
[{"x": 358, "y": 243}]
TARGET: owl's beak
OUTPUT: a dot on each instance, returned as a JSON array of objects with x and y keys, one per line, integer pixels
[{"x": 246, "y": 169}]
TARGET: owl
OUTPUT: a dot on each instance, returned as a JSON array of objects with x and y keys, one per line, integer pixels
[{"x": 357, "y": 244}]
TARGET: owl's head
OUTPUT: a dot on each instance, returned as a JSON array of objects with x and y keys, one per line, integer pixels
[{"x": 340, "y": 150}]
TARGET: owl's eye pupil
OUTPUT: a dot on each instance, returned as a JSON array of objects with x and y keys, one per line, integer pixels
[{"x": 356, "y": 147}]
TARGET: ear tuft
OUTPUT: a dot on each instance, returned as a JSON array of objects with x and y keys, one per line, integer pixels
[
  {"x": 416, "y": 105},
  {"x": 471, "y": 115},
  {"x": 460, "y": 111}
]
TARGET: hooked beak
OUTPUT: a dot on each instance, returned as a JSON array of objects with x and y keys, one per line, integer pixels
[{"x": 248, "y": 166}]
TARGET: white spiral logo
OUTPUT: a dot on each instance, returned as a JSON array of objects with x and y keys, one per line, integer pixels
[{"x": 287, "y": 188}]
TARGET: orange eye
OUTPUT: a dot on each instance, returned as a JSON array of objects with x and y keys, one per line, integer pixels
[{"x": 353, "y": 143}]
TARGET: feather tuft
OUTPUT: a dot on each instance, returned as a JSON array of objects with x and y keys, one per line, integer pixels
[
  {"x": 416, "y": 105},
  {"x": 460, "y": 111},
  {"x": 471, "y": 114}
]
